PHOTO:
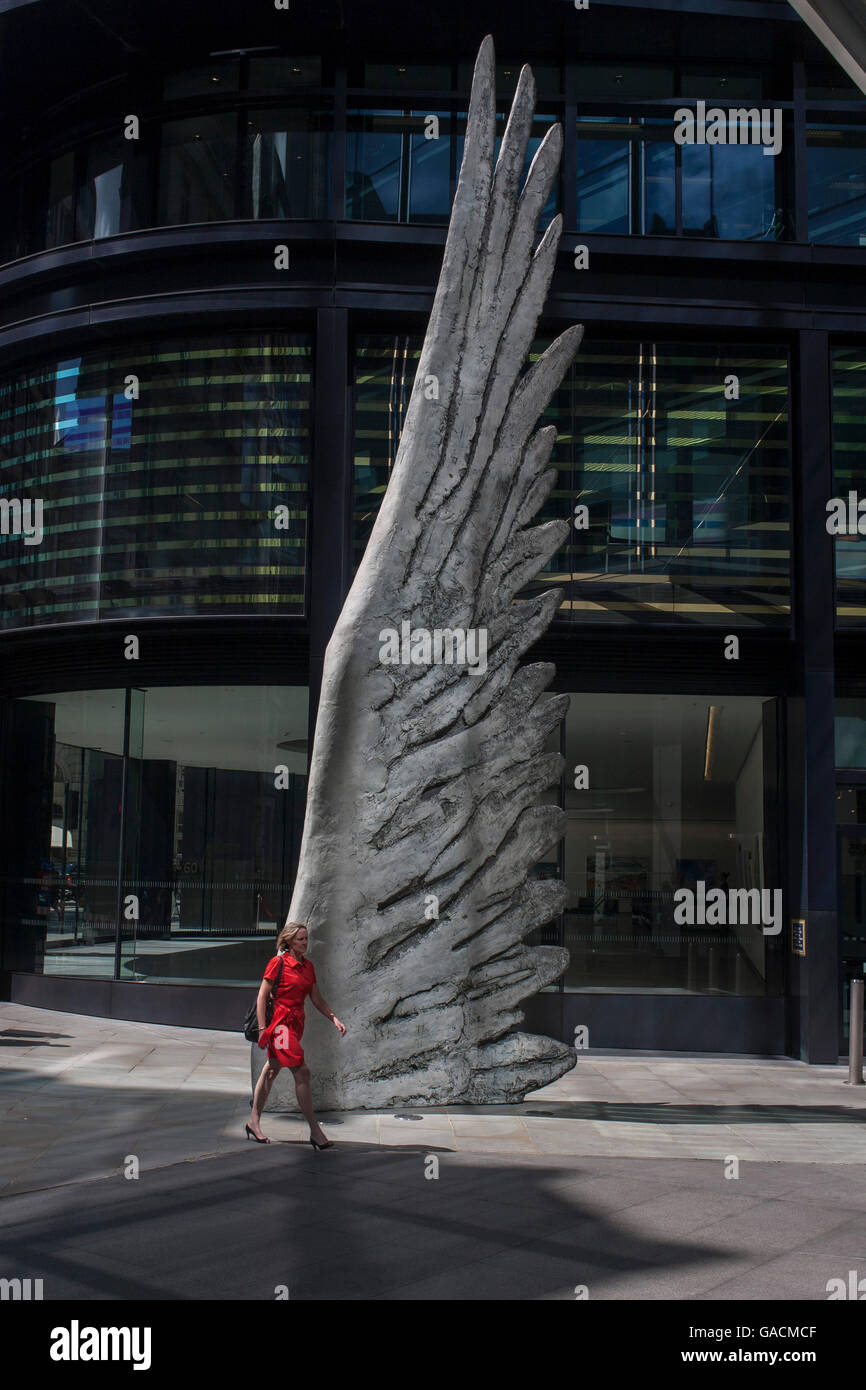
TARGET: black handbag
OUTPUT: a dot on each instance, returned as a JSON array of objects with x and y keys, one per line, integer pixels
[{"x": 251, "y": 1022}]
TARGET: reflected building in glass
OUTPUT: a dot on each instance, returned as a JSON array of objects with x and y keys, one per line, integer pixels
[{"x": 219, "y": 244}]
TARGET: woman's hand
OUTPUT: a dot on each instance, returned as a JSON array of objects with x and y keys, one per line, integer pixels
[{"x": 338, "y": 1025}]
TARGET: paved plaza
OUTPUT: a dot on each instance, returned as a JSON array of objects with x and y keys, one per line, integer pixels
[{"x": 618, "y": 1177}]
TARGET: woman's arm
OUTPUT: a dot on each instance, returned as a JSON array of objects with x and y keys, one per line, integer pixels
[
  {"x": 324, "y": 1008},
  {"x": 320, "y": 1003}
]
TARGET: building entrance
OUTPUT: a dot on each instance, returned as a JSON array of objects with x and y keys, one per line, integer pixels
[{"x": 851, "y": 859}]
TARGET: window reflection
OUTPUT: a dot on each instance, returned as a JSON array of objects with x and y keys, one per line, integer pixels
[
  {"x": 166, "y": 503},
  {"x": 375, "y": 157},
  {"x": 264, "y": 162},
  {"x": 688, "y": 501},
  {"x": 729, "y": 191},
  {"x": 675, "y": 797},
  {"x": 289, "y": 164},
  {"x": 210, "y": 842},
  {"x": 658, "y": 179},
  {"x": 60, "y": 214},
  {"x": 197, "y": 170},
  {"x": 604, "y": 154},
  {"x": 627, "y": 173},
  {"x": 102, "y": 191},
  {"x": 837, "y": 184},
  {"x": 849, "y": 466}
]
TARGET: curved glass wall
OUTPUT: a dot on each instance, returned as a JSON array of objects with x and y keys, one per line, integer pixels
[
  {"x": 679, "y": 455},
  {"x": 261, "y": 137},
  {"x": 229, "y": 142},
  {"x": 192, "y": 883},
  {"x": 156, "y": 479}
]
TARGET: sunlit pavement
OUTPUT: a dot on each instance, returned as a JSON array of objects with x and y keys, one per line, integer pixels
[{"x": 637, "y": 1176}]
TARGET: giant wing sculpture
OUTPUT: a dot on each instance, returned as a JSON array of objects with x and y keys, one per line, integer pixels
[{"x": 423, "y": 814}]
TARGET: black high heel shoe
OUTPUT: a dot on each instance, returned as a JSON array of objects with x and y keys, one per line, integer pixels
[
  {"x": 250, "y": 1135},
  {"x": 328, "y": 1144}
]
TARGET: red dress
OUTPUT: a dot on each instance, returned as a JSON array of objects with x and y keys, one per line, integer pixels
[{"x": 298, "y": 978}]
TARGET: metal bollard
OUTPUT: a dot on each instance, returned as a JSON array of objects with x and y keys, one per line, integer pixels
[{"x": 855, "y": 1034}]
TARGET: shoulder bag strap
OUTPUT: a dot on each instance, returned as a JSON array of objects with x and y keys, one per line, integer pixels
[{"x": 277, "y": 980}]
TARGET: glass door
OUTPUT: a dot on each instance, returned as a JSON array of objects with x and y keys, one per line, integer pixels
[{"x": 851, "y": 837}]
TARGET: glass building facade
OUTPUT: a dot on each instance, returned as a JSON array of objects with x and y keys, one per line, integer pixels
[
  {"x": 177, "y": 811},
  {"x": 173, "y": 478},
  {"x": 261, "y": 138},
  {"x": 195, "y": 439},
  {"x": 687, "y": 491}
]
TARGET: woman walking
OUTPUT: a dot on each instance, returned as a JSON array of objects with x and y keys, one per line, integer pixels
[{"x": 282, "y": 1036}]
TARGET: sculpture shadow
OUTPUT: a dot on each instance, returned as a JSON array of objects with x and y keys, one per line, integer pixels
[{"x": 350, "y": 1223}]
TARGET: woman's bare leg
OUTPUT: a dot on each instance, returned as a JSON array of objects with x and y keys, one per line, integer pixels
[
  {"x": 305, "y": 1101},
  {"x": 260, "y": 1095}
]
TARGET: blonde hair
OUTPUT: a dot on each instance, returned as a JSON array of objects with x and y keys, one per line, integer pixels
[{"x": 288, "y": 934}]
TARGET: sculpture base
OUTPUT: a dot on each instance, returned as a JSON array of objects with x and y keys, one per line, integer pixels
[{"x": 507, "y": 1071}]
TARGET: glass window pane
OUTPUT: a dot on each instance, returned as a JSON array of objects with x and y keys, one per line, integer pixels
[
  {"x": 99, "y": 198},
  {"x": 849, "y": 470},
  {"x": 837, "y": 184},
  {"x": 289, "y": 163},
  {"x": 168, "y": 503},
  {"x": 198, "y": 170},
  {"x": 211, "y": 838},
  {"x": 658, "y": 179},
  {"x": 9, "y": 221},
  {"x": 430, "y": 167},
  {"x": 74, "y": 908},
  {"x": 60, "y": 214},
  {"x": 604, "y": 154},
  {"x": 675, "y": 806},
  {"x": 687, "y": 495},
  {"x": 385, "y": 366},
  {"x": 214, "y": 841},
  {"x": 729, "y": 191},
  {"x": 374, "y": 165}
]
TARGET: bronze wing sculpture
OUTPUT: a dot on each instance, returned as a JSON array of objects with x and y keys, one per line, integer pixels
[{"x": 422, "y": 818}]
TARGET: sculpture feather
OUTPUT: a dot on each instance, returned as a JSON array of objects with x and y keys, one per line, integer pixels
[{"x": 425, "y": 780}]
